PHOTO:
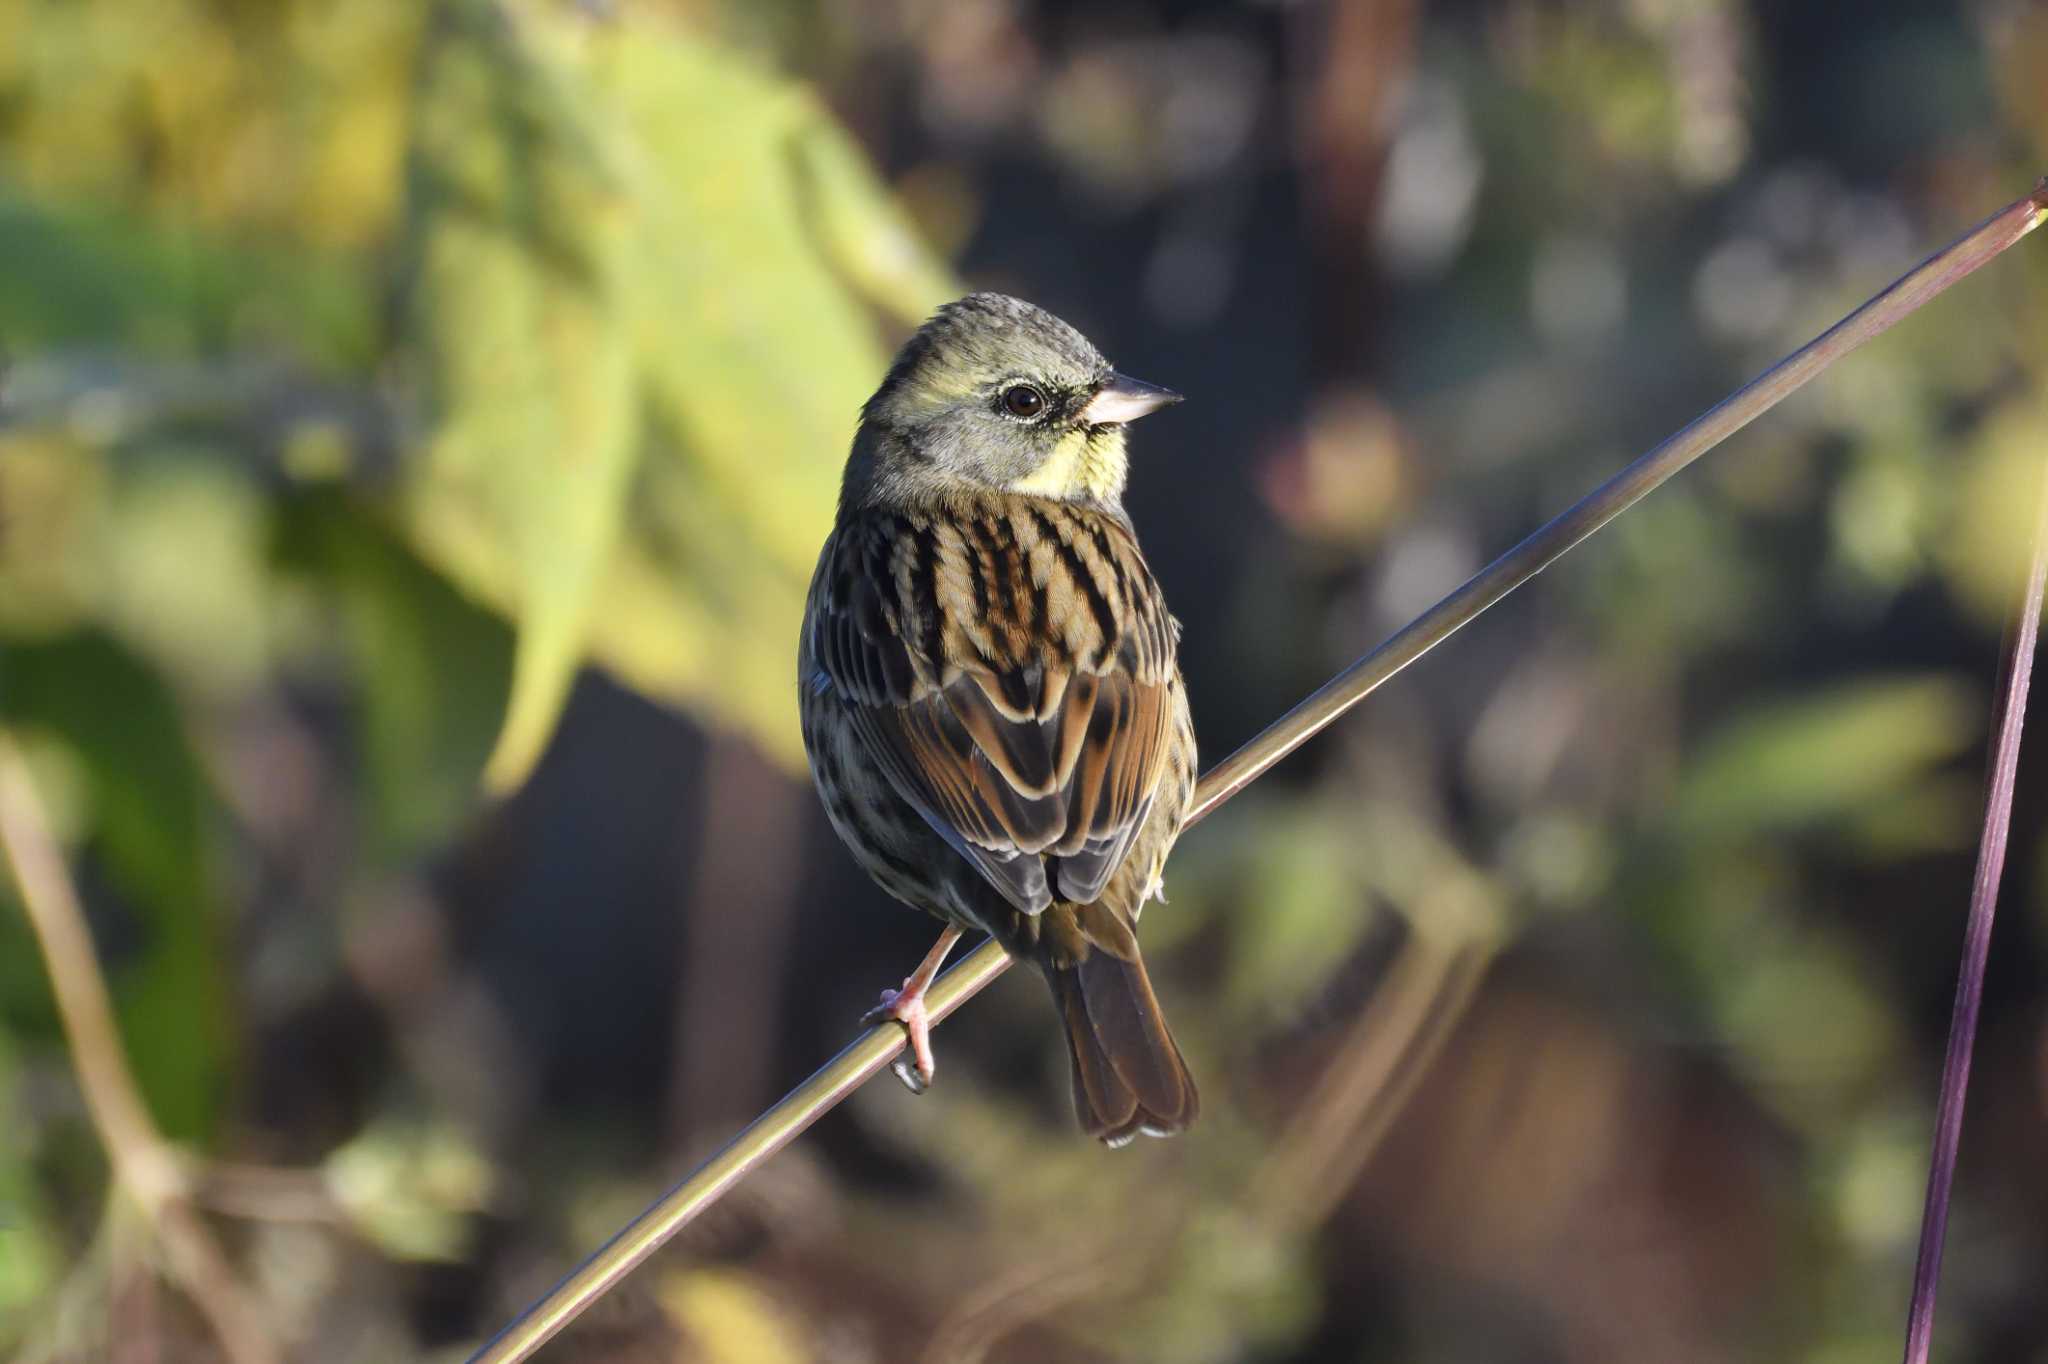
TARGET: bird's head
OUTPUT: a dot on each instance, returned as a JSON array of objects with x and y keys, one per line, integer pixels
[{"x": 993, "y": 393}]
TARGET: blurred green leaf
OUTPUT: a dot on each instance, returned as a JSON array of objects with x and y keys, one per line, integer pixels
[
  {"x": 54, "y": 492},
  {"x": 1673, "y": 578},
  {"x": 281, "y": 120},
  {"x": 179, "y": 561},
  {"x": 521, "y": 308},
  {"x": 1824, "y": 758},
  {"x": 646, "y": 273},
  {"x": 1809, "y": 1022},
  {"x": 413, "y": 1190},
  {"x": 156, "y": 539},
  {"x": 31, "y": 1256},
  {"x": 432, "y": 666},
  {"x": 1299, "y": 864},
  {"x": 149, "y": 806},
  {"x": 858, "y": 226},
  {"x": 78, "y": 277},
  {"x": 1982, "y": 547},
  {"x": 1877, "y": 1180}
]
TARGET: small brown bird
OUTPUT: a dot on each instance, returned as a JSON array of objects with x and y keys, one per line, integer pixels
[{"x": 991, "y": 703}]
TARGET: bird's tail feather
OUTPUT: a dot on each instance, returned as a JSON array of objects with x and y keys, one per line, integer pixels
[{"x": 1128, "y": 1073}]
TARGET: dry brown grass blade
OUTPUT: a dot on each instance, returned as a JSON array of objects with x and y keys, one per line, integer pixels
[
  {"x": 1387, "y": 1051},
  {"x": 145, "y": 1166}
]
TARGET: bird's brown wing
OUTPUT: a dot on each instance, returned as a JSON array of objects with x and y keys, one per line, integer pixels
[{"x": 1010, "y": 666}]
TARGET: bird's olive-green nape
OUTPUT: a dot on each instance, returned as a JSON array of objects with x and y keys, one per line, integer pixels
[{"x": 994, "y": 393}]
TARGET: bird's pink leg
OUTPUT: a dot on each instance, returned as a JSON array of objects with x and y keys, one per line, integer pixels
[{"x": 906, "y": 1006}]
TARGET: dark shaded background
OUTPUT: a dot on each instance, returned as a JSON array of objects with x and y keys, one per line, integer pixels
[{"x": 1579, "y": 998}]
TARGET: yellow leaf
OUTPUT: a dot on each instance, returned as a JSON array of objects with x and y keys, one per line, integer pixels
[{"x": 730, "y": 1319}]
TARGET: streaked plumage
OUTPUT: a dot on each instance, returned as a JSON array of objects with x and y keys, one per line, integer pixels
[{"x": 987, "y": 674}]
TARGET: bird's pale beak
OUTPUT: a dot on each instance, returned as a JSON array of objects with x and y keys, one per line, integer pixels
[{"x": 1124, "y": 399}]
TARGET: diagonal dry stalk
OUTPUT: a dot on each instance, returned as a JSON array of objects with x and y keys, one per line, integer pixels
[
  {"x": 1318, "y": 1154},
  {"x": 852, "y": 1067},
  {"x": 144, "y": 1164}
]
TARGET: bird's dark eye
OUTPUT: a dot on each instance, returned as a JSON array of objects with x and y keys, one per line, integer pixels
[{"x": 1022, "y": 400}]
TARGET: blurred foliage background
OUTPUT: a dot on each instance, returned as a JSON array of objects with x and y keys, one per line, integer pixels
[{"x": 417, "y": 426}]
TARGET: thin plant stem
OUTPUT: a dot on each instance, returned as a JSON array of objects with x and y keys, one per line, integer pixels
[
  {"x": 850, "y": 1069},
  {"x": 144, "y": 1164},
  {"x": 1316, "y": 1159},
  {"x": 1962, "y": 1028}
]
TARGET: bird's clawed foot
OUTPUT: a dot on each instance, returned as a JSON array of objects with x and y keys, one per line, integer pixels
[
  {"x": 906, "y": 1006},
  {"x": 914, "y": 1067}
]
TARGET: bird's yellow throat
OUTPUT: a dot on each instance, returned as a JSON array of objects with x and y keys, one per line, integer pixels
[{"x": 1085, "y": 464}]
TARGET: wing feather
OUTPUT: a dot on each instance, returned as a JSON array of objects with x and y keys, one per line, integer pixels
[{"x": 1010, "y": 670}]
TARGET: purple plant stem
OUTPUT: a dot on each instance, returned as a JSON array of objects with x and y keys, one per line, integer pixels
[{"x": 1962, "y": 1028}]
